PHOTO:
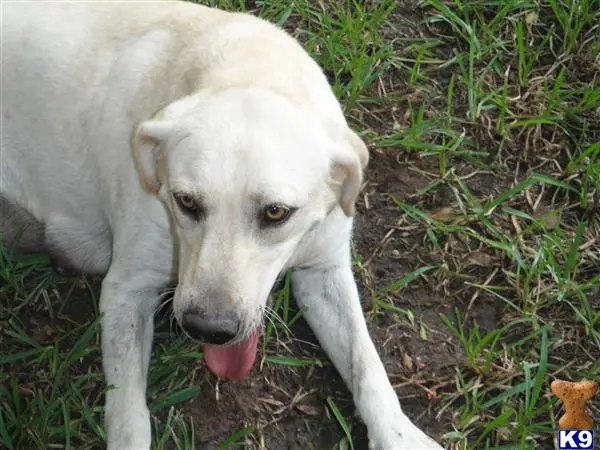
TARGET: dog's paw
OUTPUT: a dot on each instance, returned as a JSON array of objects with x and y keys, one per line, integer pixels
[{"x": 406, "y": 437}]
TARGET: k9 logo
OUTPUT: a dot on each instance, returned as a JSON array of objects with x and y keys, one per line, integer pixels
[{"x": 575, "y": 439}]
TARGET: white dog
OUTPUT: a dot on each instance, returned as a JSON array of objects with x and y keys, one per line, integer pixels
[{"x": 168, "y": 141}]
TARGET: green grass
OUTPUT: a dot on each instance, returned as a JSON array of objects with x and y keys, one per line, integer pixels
[{"x": 495, "y": 106}]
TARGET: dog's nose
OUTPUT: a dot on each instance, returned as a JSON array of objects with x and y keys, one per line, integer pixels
[{"x": 210, "y": 330}]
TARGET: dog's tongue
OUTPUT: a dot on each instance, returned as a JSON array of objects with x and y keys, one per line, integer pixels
[{"x": 232, "y": 362}]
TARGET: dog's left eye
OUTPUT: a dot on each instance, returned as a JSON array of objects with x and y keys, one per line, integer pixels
[
  {"x": 188, "y": 205},
  {"x": 276, "y": 214}
]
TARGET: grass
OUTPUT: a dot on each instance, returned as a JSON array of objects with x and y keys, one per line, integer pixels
[{"x": 493, "y": 107}]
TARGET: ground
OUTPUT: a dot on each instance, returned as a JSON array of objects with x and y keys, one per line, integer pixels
[{"x": 477, "y": 248}]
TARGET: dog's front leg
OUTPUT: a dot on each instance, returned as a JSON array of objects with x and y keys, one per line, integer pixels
[
  {"x": 335, "y": 315},
  {"x": 127, "y": 308}
]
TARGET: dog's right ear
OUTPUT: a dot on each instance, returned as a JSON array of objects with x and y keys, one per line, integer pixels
[
  {"x": 348, "y": 164},
  {"x": 149, "y": 148}
]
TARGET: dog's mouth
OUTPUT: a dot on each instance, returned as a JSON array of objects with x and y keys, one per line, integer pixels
[{"x": 232, "y": 362}]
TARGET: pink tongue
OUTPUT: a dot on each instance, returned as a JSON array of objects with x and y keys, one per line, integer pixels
[{"x": 232, "y": 362}]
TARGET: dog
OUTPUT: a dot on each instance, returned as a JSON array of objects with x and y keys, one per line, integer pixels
[{"x": 161, "y": 142}]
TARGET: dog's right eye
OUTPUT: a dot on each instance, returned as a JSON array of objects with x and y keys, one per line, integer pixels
[{"x": 188, "y": 205}]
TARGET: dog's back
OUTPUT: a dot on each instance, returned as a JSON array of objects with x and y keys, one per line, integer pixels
[
  {"x": 75, "y": 79},
  {"x": 72, "y": 95}
]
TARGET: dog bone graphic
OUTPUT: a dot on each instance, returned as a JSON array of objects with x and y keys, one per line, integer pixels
[{"x": 575, "y": 395}]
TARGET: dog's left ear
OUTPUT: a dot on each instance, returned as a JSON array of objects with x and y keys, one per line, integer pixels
[
  {"x": 148, "y": 145},
  {"x": 347, "y": 165}
]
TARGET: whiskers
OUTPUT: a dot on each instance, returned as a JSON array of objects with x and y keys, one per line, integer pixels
[
  {"x": 273, "y": 318},
  {"x": 166, "y": 300}
]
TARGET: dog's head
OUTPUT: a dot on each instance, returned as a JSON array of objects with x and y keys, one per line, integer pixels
[{"x": 246, "y": 175}]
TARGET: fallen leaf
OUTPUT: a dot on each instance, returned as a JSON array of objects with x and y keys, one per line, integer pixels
[
  {"x": 443, "y": 214},
  {"x": 531, "y": 18},
  {"x": 309, "y": 410},
  {"x": 479, "y": 258},
  {"x": 407, "y": 362},
  {"x": 422, "y": 332},
  {"x": 549, "y": 219}
]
